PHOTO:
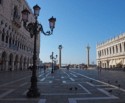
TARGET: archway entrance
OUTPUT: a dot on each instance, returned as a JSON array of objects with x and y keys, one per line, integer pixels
[
  {"x": 11, "y": 67},
  {"x": 16, "y": 63},
  {"x": 3, "y": 61}
]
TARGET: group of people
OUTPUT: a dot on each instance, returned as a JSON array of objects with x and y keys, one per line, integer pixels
[{"x": 68, "y": 66}]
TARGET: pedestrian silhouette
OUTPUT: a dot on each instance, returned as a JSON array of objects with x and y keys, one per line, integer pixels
[
  {"x": 30, "y": 68},
  {"x": 44, "y": 67},
  {"x": 70, "y": 88},
  {"x": 110, "y": 91}
]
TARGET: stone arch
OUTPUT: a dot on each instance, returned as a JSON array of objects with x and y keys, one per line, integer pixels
[
  {"x": 10, "y": 41},
  {"x": 3, "y": 35},
  {"x": 21, "y": 63},
  {"x": 16, "y": 62},
  {"x": 28, "y": 62},
  {"x": 7, "y": 37},
  {"x": 3, "y": 61}
]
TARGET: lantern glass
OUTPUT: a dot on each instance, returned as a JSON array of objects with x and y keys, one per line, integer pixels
[
  {"x": 25, "y": 14},
  {"x": 52, "y": 22},
  {"x": 60, "y": 46},
  {"x": 36, "y": 10}
]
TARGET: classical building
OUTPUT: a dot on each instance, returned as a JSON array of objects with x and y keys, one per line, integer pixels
[
  {"x": 16, "y": 45},
  {"x": 111, "y": 54}
]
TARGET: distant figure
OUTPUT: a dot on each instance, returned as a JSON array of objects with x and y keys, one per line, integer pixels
[
  {"x": 68, "y": 67},
  {"x": 30, "y": 68},
  {"x": 44, "y": 67},
  {"x": 10, "y": 69}
]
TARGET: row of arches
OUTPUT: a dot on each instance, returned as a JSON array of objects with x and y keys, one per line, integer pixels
[
  {"x": 113, "y": 63},
  {"x": 11, "y": 61},
  {"x": 112, "y": 50}
]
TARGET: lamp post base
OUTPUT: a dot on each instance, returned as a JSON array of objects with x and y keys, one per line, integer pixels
[
  {"x": 33, "y": 93},
  {"x": 33, "y": 90}
]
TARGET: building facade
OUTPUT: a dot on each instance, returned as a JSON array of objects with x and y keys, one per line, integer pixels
[
  {"x": 111, "y": 54},
  {"x": 16, "y": 45}
]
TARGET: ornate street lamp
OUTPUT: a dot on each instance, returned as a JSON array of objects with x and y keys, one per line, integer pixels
[
  {"x": 34, "y": 29},
  {"x": 53, "y": 59}
]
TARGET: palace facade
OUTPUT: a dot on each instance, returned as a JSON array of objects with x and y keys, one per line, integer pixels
[
  {"x": 16, "y": 45},
  {"x": 111, "y": 54}
]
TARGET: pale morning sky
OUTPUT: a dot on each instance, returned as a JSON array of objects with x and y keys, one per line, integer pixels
[{"x": 79, "y": 23}]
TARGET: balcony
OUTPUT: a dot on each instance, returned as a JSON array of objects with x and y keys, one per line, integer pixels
[{"x": 14, "y": 47}]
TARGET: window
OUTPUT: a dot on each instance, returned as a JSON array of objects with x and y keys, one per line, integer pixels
[
  {"x": 120, "y": 48},
  {"x": 7, "y": 39},
  {"x": 110, "y": 50},
  {"x": 13, "y": 41},
  {"x": 0, "y": 1},
  {"x": 113, "y": 49},
  {"x": 2, "y": 36},
  {"x": 15, "y": 14},
  {"x": 107, "y": 51},
  {"x": 10, "y": 42}
]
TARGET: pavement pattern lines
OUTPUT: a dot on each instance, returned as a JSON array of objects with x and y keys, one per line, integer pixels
[{"x": 72, "y": 79}]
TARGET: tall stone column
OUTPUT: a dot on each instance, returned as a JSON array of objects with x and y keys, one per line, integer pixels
[
  {"x": 60, "y": 48},
  {"x": 88, "y": 48}
]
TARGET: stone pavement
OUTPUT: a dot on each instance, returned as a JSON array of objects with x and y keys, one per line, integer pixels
[{"x": 63, "y": 86}]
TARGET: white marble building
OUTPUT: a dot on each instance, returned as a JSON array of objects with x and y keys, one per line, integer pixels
[
  {"x": 16, "y": 45},
  {"x": 111, "y": 54}
]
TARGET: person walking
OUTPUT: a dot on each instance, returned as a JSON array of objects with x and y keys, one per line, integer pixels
[{"x": 44, "y": 67}]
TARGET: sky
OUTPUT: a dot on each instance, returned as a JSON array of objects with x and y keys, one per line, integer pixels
[{"x": 79, "y": 23}]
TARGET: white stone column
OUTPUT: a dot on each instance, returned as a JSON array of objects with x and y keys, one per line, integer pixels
[
  {"x": 118, "y": 48},
  {"x": 18, "y": 64},
  {"x": 6, "y": 66},
  {"x": 12, "y": 65},
  {"x": 26, "y": 66},
  {"x": 22, "y": 66}
]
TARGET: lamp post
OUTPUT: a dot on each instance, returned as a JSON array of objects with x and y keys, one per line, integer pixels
[
  {"x": 34, "y": 29},
  {"x": 53, "y": 59}
]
